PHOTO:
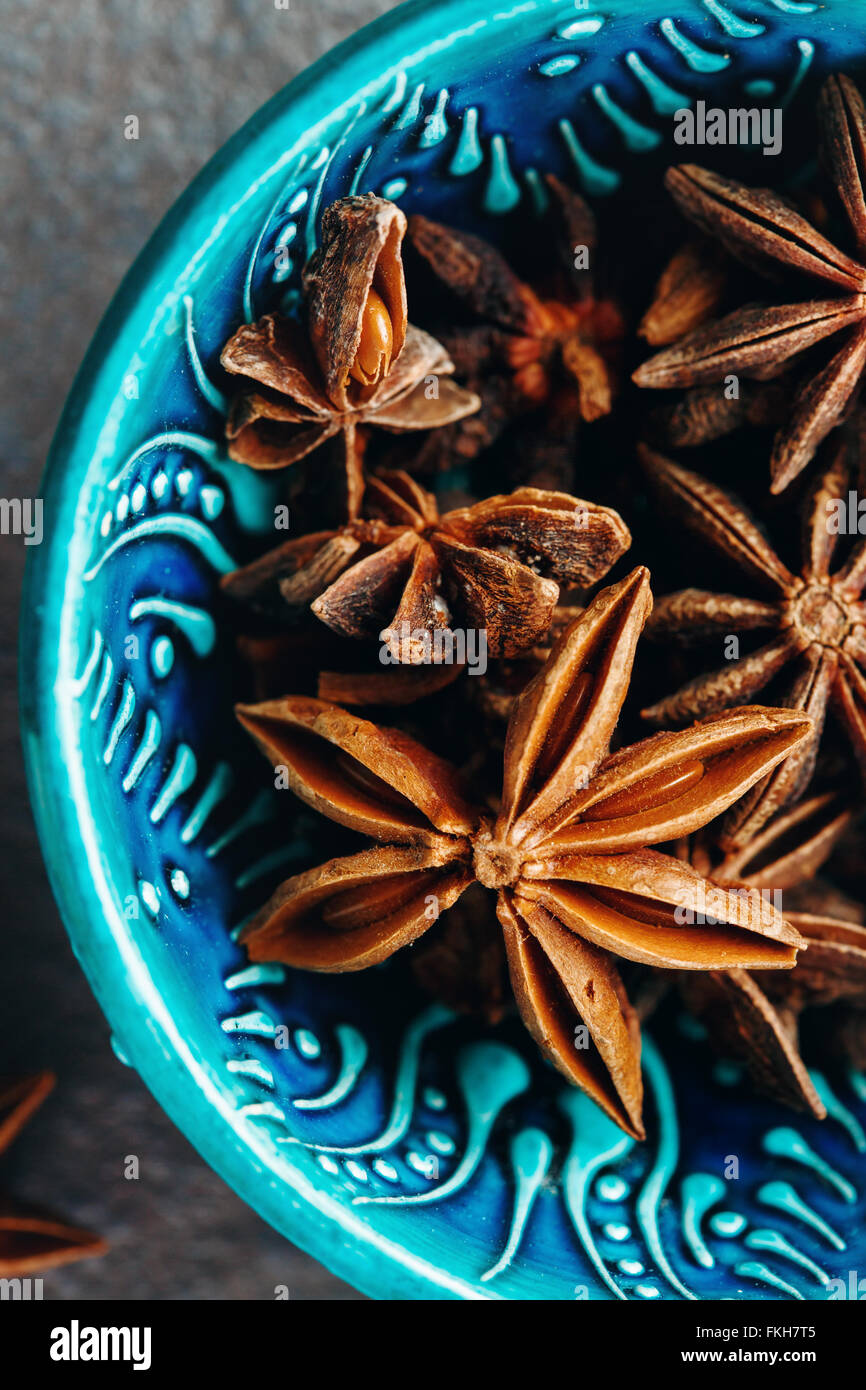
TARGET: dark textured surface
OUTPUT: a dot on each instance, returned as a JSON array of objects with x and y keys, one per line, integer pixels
[{"x": 79, "y": 202}]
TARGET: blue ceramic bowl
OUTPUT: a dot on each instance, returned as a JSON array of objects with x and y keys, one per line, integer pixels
[{"x": 415, "y": 1154}]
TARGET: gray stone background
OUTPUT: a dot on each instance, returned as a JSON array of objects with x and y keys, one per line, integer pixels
[{"x": 77, "y": 203}]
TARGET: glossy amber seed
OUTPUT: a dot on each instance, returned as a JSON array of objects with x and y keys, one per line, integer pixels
[
  {"x": 657, "y": 790},
  {"x": 373, "y": 358}
]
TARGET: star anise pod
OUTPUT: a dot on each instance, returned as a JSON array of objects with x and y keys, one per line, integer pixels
[
  {"x": 355, "y": 362},
  {"x": 308, "y": 658},
  {"x": 755, "y": 1016},
  {"x": 689, "y": 290},
  {"x": 526, "y": 346},
  {"x": 704, "y": 414},
  {"x": 407, "y": 572},
  {"x": 766, "y": 232},
  {"x": 32, "y": 1239},
  {"x": 693, "y": 285},
  {"x": 568, "y": 853},
  {"x": 491, "y": 692},
  {"x": 786, "y": 853},
  {"x": 394, "y": 686},
  {"x": 815, "y": 621}
]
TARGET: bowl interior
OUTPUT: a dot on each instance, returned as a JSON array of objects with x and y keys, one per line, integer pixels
[{"x": 417, "y": 1154}]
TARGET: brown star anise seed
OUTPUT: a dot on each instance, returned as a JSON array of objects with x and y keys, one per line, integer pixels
[
  {"x": 692, "y": 286},
  {"x": 767, "y": 233},
  {"x": 568, "y": 853},
  {"x": 816, "y": 624},
  {"x": 401, "y": 686},
  {"x": 32, "y": 1239},
  {"x": 355, "y": 363},
  {"x": 406, "y": 571}
]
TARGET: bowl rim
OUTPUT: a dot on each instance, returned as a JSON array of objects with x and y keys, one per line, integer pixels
[{"x": 126, "y": 992}]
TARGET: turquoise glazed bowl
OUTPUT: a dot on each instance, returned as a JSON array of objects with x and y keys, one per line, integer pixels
[{"x": 416, "y": 1154}]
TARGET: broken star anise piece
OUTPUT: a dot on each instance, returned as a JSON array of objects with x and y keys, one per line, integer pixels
[
  {"x": 355, "y": 362},
  {"x": 569, "y": 854},
  {"x": 407, "y": 573},
  {"x": 815, "y": 624},
  {"x": 32, "y": 1239},
  {"x": 548, "y": 344},
  {"x": 766, "y": 232},
  {"x": 754, "y": 1017}
]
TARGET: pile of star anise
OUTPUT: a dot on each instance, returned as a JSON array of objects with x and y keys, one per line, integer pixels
[{"x": 432, "y": 665}]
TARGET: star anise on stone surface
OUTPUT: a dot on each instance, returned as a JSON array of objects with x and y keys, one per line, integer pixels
[
  {"x": 569, "y": 852},
  {"x": 408, "y": 573},
  {"x": 354, "y": 362},
  {"x": 815, "y": 624},
  {"x": 766, "y": 232},
  {"x": 754, "y": 1017},
  {"x": 549, "y": 344},
  {"x": 32, "y": 1239}
]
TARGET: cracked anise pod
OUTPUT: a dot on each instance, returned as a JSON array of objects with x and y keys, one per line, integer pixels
[
  {"x": 766, "y": 232},
  {"x": 815, "y": 624},
  {"x": 31, "y": 1238},
  {"x": 569, "y": 853},
  {"x": 754, "y": 1016},
  {"x": 406, "y": 572},
  {"x": 355, "y": 362},
  {"x": 527, "y": 345}
]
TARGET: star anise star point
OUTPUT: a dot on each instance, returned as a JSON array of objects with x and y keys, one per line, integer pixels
[{"x": 570, "y": 853}]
